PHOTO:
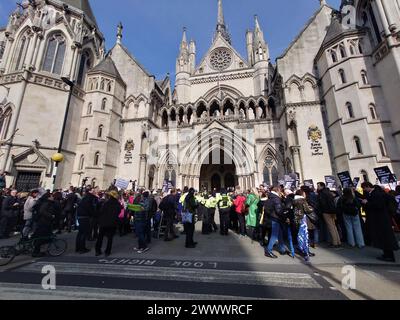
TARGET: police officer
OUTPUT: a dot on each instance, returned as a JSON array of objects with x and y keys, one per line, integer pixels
[
  {"x": 211, "y": 204},
  {"x": 204, "y": 213},
  {"x": 224, "y": 208}
]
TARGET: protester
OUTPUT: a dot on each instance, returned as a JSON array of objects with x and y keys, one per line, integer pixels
[
  {"x": 379, "y": 221},
  {"x": 28, "y": 212},
  {"x": 326, "y": 205},
  {"x": 9, "y": 214},
  {"x": 240, "y": 209},
  {"x": 274, "y": 210},
  {"x": 190, "y": 207},
  {"x": 253, "y": 217},
  {"x": 350, "y": 207},
  {"x": 108, "y": 222},
  {"x": 86, "y": 209},
  {"x": 169, "y": 208}
]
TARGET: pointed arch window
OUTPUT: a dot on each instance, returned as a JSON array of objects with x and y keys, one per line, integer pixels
[
  {"x": 334, "y": 56},
  {"x": 21, "y": 52},
  {"x": 89, "y": 108},
  {"x": 350, "y": 111},
  {"x": 360, "y": 48},
  {"x": 85, "y": 135},
  {"x": 342, "y": 51},
  {"x": 372, "y": 111},
  {"x": 342, "y": 76},
  {"x": 364, "y": 77},
  {"x": 382, "y": 147},
  {"x": 97, "y": 158},
  {"x": 357, "y": 145},
  {"x": 352, "y": 49},
  {"x": 364, "y": 175},
  {"x": 5, "y": 120},
  {"x": 2, "y": 48},
  {"x": 55, "y": 54},
  {"x": 103, "y": 104},
  {"x": 100, "y": 131},
  {"x": 81, "y": 162},
  {"x": 85, "y": 65}
]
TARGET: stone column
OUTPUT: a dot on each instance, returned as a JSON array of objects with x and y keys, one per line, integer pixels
[
  {"x": 156, "y": 182},
  {"x": 385, "y": 24},
  {"x": 196, "y": 182},
  {"x": 297, "y": 161},
  {"x": 142, "y": 170},
  {"x": 390, "y": 15},
  {"x": 30, "y": 52}
]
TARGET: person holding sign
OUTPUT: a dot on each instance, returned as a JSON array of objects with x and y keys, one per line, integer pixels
[
  {"x": 379, "y": 220},
  {"x": 326, "y": 206}
]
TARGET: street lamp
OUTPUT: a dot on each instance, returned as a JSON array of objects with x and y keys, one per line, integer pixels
[{"x": 58, "y": 157}]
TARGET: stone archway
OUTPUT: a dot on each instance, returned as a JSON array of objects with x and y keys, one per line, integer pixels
[{"x": 215, "y": 138}]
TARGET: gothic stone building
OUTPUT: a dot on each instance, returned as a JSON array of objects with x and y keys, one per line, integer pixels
[{"x": 328, "y": 104}]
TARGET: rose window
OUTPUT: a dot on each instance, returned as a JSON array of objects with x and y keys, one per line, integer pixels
[{"x": 220, "y": 59}]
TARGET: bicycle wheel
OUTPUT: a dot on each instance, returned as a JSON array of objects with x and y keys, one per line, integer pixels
[
  {"x": 7, "y": 254},
  {"x": 57, "y": 247}
]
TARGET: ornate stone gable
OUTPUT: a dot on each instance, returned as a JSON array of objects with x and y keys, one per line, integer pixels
[
  {"x": 32, "y": 158},
  {"x": 221, "y": 57}
]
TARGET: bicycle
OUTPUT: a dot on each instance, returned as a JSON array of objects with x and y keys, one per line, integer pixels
[{"x": 55, "y": 248}]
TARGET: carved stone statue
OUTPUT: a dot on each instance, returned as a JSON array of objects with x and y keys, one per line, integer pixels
[
  {"x": 251, "y": 114},
  {"x": 217, "y": 113},
  {"x": 242, "y": 114},
  {"x": 204, "y": 115},
  {"x": 259, "y": 112}
]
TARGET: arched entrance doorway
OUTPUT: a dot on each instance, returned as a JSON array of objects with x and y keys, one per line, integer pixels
[{"x": 218, "y": 171}]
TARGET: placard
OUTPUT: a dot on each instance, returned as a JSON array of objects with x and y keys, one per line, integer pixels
[
  {"x": 290, "y": 182},
  {"x": 345, "y": 179},
  {"x": 384, "y": 175},
  {"x": 356, "y": 181},
  {"x": 122, "y": 183},
  {"x": 309, "y": 183},
  {"x": 330, "y": 182}
]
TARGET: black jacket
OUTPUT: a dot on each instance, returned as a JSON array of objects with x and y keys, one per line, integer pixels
[
  {"x": 273, "y": 208},
  {"x": 326, "y": 202},
  {"x": 46, "y": 212},
  {"x": 8, "y": 209},
  {"x": 379, "y": 221},
  {"x": 70, "y": 201},
  {"x": 168, "y": 206},
  {"x": 109, "y": 213},
  {"x": 87, "y": 207}
]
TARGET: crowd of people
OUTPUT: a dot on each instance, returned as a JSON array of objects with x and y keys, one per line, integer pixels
[{"x": 286, "y": 221}]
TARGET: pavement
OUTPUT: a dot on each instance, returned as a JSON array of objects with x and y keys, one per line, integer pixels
[{"x": 219, "y": 268}]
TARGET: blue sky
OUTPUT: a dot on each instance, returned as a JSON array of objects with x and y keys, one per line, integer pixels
[{"x": 153, "y": 28}]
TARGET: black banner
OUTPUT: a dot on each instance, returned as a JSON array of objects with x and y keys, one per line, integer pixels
[{"x": 345, "y": 179}]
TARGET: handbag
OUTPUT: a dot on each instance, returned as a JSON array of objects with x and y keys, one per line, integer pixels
[
  {"x": 313, "y": 217},
  {"x": 187, "y": 217}
]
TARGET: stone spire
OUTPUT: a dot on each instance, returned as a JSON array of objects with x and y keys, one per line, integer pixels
[
  {"x": 221, "y": 27},
  {"x": 119, "y": 33},
  {"x": 322, "y": 2},
  {"x": 184, "y": 48},
  {"x": 261, "y": 49}
]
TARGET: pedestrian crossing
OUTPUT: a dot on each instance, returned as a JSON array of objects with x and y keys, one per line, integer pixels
[
  {"x": 271, "y": 279},
  {"x": 98, "y": 279}
]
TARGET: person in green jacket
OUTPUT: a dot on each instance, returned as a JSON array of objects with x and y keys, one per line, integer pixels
[{"x": 252, "y": 217}]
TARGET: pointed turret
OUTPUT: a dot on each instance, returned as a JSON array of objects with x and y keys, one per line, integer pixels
[
  {"x": 119, "y": 32},
  {"x": 260, "y": 46},
  {"x": 184, "y": 66},
  {"x": 221, "y": 27},
  {"x": 260, "y": 58}
]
